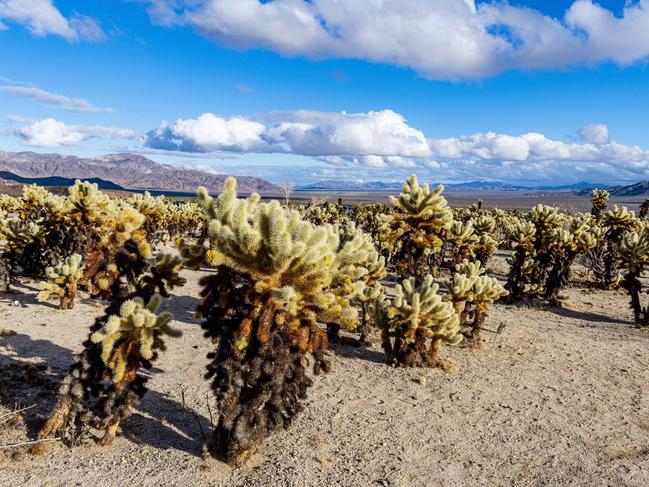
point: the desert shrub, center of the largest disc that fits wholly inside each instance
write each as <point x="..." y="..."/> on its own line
<point x="275" y="281"/>
<point x="415" y="324"/>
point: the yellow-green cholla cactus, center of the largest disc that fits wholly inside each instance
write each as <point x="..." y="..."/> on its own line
<point x="416" y="323"/>
<point x="135" y="334"/>
<point x="277" y="276"/>
<point x="599" y="202"/>
<point x="633" y="254"/>
<point x="63" y="281"/>
<point x="419" y="223"/>
<point x="486" y="290"/>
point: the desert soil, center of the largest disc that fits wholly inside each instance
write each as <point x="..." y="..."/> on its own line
<point x="558" y="397"/>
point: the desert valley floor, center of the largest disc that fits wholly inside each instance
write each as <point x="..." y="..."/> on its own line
<point x="557" y="397"/>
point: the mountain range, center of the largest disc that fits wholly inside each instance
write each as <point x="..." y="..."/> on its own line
<point x="126" y="170"/>
<point x="331" y="185"/>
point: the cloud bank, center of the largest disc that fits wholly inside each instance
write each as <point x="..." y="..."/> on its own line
<point x="384" y="139"/>
<point x="49" y="133"/>
<point x="42" y="18"/>
<point x="441" y="39"/>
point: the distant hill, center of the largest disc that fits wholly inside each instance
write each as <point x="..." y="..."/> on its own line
<point x="55" y="181"/>
<point x="332" y="185"/>
<point x="638" y="189"/>
<point x="123" y="170"/>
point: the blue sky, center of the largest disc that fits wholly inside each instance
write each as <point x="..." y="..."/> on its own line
<point x="530" y="91"/>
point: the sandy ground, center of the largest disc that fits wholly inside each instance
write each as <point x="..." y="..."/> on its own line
<point x="559" y="397"/>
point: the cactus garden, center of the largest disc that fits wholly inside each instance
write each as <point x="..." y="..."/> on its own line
<point x="231" y="340"/>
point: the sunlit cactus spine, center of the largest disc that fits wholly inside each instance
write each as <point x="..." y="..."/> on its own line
<point x="273" y="285"/>
<point x="104" y="384"/>
<point x="415" y="324"/>
<point x="419" y="222"/>
<point x="633" y="255"/>
<point x="63" y="281"/>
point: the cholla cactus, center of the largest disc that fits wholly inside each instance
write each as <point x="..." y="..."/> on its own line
<point x="485" y="291"/>
<point x="633" y="253"/>
<point x="416" y="323"/>
<point x="186" y="219"/>
<point x="154" y="210"/>
<point x="564" y="245"/>
<point x="326" y="212"/>
<point x="600" y="202"/>
<point x="63" y="281"/>
<point x="359" y="268"/>
<point x="277" y="277"/>
<point x="462" y="240"/>
<point x="420" y="220"/>
<point x="522" y="235"/>
<point x="103" y="384"/>
<point x="460" y="290"/>
<point x="484" y="227"/>
<point x="123" y="253"/>
<point x="615" y="222"/>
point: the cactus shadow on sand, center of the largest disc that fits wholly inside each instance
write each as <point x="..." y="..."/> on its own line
<point x="27" y="383"/>
<point x="164" y="423"/>
<point x="358" y="352"/>
<point x="588" y="316"/>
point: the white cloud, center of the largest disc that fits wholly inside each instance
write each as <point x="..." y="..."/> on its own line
<point x="533" y="146"/>
<point x="595" y="134"/>
<point x="383" y="139"/>
<point x="54" y="133"/>
<point x="209" y="133"/>
<point x="74" y="104"/>
<point x="42" y="18"/>
<point x="445" y="39"/>
<point x="381" y="133"/>
<point x="373" y="139"/>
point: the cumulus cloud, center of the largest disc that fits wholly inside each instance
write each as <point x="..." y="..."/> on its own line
<point x="445" y="39"/>
<point x="595" y="134"/>
<point x="373" y="139"/>
<point x="73" y="104"/>
<point x="42" y="18"/>
<point x="50" y="133"/>
<point x="534" y="146"/>
<point x="209" y="133"/>
<point x="383" y="139"/>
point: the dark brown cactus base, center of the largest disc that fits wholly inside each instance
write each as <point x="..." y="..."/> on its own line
<point x="258" y="368"/>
